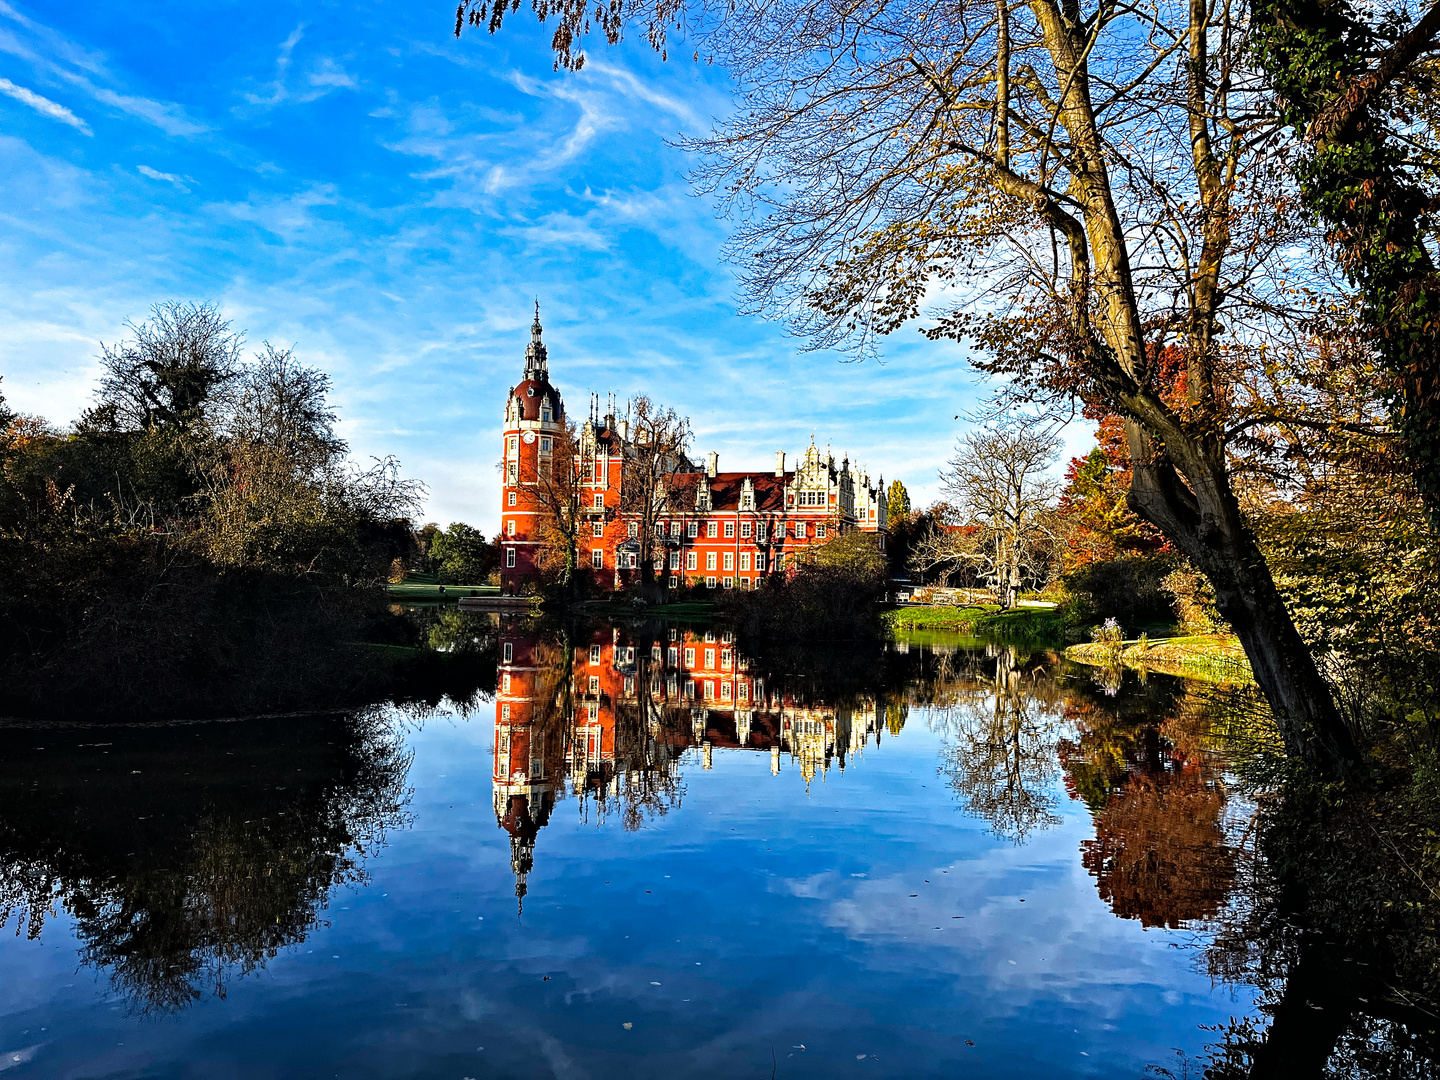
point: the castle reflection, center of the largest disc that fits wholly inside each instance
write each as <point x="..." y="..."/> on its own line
<point x="605" y="715"/>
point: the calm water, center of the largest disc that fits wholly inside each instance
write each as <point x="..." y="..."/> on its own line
<point x="979" y="866"/>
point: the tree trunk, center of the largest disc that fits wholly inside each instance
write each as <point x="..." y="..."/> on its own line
<point x="1204" y="520"/>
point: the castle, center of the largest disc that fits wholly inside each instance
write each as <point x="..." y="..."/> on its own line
<point x="718" y="530"/>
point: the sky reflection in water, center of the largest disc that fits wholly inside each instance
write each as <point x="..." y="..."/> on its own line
<point x="327" y="902"/>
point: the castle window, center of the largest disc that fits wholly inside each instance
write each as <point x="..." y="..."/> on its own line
<point x="729" y="530"/>
<point x="674" y="560"/>
<point x="799" y="530"/>
<point x="820" y="531"/>
<point x="760" y="534"/>
<point x="504" y="712"/>
<point x="729" y="583"/>
<point x="693" y="530"/>
<point x="509" y="651"/>
<point x="759" y="560"/>
<point x="725" y="659"/>
<point x="710" y="560"/>
<point x="709" y="582"/>
<point x="710" y="659"/>
<point x="629" y="685"/>
<point x="712" y="528"/>
<point x="689" y="658"/>
<point x="598" y="528"/>
<point x="513" y="444"/>
<point x="673" y="581"/>
<point x="597" y="559"/>
<point x="725" y="691"/>
<point x="599" y="502"/>
<point x="729" y="560"/>
<point x="511" y="498"/>
<point x="675" y="529"/>
<point x="745" y="529"/>
<point x="510" y="526"/>
<point x="744" y="691"/>
<point x="509" y="558"/>
<point x="690" y="560"/>
<point x="709" y="686"/>
<point x="780" y="531"/>
<point x="546" y="416"/>
<point x="545" y="444"/>
<point x="594" y="654"/>
<point x="632" y="529"/>
<point x="744" y="560"/>
<point x="511" y="471"/>
<point x="594" y="684"/>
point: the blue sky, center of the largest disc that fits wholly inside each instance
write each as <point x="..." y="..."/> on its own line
<point x="353" y="180"/>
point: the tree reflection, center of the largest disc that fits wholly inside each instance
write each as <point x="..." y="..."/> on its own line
<point x="186" y="855"/>
<point x="1160" y="853"/>
<point x="1001" y="714"/>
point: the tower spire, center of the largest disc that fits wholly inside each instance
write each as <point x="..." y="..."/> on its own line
<point x="535" y="354"/>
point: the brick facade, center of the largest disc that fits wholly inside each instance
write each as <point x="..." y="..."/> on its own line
<point x="736" y="528"/>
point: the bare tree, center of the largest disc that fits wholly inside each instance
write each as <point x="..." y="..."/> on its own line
<point x="1090" y="183"/>
<point x="282" y="404"/>
<point x="1000" y="482"/>
<point x="656" y="455"/>
<point x="181" y="365"/>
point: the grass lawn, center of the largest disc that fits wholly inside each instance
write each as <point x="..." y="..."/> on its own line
<point x="982" y="620"/>
<point x="1210" y="657"/>
<point x="412" y="589"/>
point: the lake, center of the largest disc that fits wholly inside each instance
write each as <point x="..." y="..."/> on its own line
<point x="645" y="855"/>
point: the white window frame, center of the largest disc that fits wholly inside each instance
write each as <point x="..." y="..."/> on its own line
<point x="509" y="558"/>
<point x="729" y="530"/>
<point x="597" y="558"/>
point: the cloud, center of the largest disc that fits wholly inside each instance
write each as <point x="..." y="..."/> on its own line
<point x="168" y="117"/>
<point x="44" y="106"/>
<point x="156" y="174"/>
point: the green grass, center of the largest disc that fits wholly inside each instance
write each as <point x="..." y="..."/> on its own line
<point x="1208" y="657"/>
<point x="982" y="620"/>
<point x="412" y="589"/>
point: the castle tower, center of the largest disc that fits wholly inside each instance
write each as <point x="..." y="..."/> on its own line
<point x="534" y="416"/>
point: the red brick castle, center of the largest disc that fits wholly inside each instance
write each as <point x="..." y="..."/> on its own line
<point x="741" y="526"/>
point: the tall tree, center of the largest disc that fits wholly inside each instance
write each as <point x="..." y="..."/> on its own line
<point x="556" y="492"/>
<point x="181" y="364"/>
<point x="1000" y="483"/>
<point x="1091" y="180"/>
<point x="897" y="504"/>
<point x="1357" y="84"/>
<point x="656" y="456"/>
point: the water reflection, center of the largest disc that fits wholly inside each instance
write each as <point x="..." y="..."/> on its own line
<point x="604" y="714"/>
<point x="187" y="855"/>
<point x="184" y="857"/>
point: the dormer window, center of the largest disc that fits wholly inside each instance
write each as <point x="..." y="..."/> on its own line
<point x="545" y="414"/>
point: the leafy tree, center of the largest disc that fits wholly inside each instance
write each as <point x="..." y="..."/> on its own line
<point x="897" y="504"/>
<point x="1356" y="84"/>
<point x="556" y="492"/>
<point x="463" y="556"/>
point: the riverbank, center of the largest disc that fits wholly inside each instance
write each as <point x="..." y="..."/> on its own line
<point x="987" y="620"/>
<point x="1214" y="658"/>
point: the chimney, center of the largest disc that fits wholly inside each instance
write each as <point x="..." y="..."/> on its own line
<point x="779" y="462"/>
<point x="624" y="430"/>
<point x="712" y="464"/>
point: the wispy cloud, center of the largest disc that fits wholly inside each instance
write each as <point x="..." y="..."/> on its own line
<point x="171" y="178"/>
<point x="44" y="106"/>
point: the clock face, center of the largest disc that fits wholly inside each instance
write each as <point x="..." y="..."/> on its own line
<point x="528" y="437"/>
